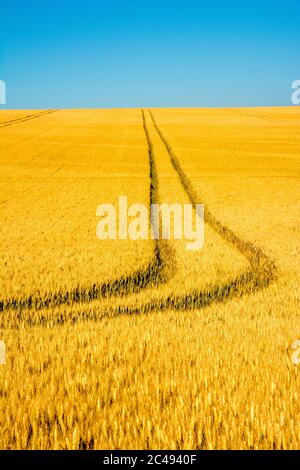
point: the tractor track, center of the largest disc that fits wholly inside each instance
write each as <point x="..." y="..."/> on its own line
<point x="261" y="272"/>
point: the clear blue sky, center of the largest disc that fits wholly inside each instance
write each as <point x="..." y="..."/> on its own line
<point x="69" y="54"/>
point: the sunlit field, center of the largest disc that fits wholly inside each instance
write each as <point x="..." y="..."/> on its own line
<point x="141" y="344"/>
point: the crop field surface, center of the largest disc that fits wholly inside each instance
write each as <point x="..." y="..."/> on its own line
<point x="142" y="344"/>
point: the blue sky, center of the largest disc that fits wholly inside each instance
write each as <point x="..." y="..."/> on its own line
<point x="71" y="54"/>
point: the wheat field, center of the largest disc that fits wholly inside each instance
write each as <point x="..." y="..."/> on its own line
<point x="123" y="344"/>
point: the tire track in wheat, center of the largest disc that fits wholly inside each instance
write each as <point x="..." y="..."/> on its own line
<point x="275" y="120"/>
<point x="27" y="118"/>
<point x="160" y="269"/>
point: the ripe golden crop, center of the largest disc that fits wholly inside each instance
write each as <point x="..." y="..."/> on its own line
<point x="142" y="344"/>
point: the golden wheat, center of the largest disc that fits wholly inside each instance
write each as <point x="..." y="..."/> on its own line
<point x="81" y="375"/>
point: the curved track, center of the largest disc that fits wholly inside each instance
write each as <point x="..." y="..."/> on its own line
<point x="261" y="271"/>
